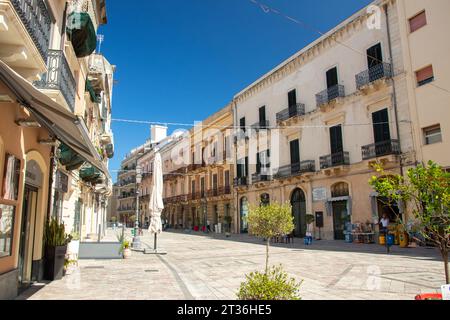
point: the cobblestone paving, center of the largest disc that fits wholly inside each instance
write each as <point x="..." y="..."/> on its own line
<point x="208" y="267"/>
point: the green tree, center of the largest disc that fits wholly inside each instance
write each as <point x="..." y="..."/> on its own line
<point x="427" y="190"/>
<point x="269" y="221"/>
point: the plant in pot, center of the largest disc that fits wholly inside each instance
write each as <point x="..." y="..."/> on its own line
<point x="56" y="241"/>
<point x="124" y="246"/>
<point x="227" y="221"/>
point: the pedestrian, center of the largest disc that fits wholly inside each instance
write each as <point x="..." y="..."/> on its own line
<point x="384" y="224"/>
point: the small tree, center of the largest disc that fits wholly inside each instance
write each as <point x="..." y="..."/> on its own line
<point x="270" y="221"/>
<point x="427" y="188"/>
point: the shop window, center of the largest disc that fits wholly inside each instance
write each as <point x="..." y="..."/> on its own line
<point x="6" y="229"/>
<point x="418" y="21"/>
<point x="432" y="134"/>
<point x="424" y="76"/>
<point x="11" y="178"/>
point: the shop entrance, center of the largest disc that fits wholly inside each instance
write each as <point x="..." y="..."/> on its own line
<point x="340" y="219"/>
<point x="298" y="202"/>
<point x="391" y="209"/>
<point x="244" y="214"/>
<point x="27" y="230"/>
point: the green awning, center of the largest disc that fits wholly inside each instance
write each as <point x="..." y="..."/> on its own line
<point x="69" y="158"/>
<point x="81" y="32"/>
<point x="89" y="88"/>
<point x="90" y="173"/>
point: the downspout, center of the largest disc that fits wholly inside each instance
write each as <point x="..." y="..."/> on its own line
<point x="394" y="92"/>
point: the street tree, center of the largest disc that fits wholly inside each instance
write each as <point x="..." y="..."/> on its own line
<point x="427" y="190"/>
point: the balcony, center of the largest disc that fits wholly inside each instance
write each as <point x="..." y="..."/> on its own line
<point x="296" y="169"/>
<point x="369" y="76"/>
<point x="126" y="209"/>
<point x="127" y="182"/>
<point x="81" y="30"/>
<point x="59" y="77"/>
<point x="334" y="160"/>
<point x="36" y="19"/>
<point x="127" y="195"/>
<point x="107" y="137"/>
<point x="290" y="113"/>
<point x="380" y="149"/>
<point x="240" y="182"/>
<point x="260" y="125"/>
<point x="330" y="95"/>
<point x="258" y="177"/>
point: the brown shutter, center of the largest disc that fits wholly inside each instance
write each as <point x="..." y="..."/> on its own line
<point x="417" y="21"/>
<point x="424" y="74"/>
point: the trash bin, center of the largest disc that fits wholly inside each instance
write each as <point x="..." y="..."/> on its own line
<point x="348" y="238"/>
<point x="382" y="239"/>
<point x="404" y="240"/>
<point x="390" y="239"/>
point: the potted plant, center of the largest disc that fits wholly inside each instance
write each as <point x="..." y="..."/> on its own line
<point x="227" y="221"/>
<point x="56" y="241"/>
<point x="124" y="246"/>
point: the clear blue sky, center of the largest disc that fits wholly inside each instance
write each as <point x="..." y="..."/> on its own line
<point x="181" y="60"/>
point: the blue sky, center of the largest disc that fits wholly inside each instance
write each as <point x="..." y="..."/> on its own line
<point x="182" y="60"/>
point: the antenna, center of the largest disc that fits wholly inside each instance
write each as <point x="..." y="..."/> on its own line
<point x="100" y="39"/>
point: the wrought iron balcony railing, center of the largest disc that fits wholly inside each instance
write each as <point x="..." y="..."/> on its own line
<point x="59" y="77"/>
<point x="380" y="71"/>
<point x="240" y="135"/>
<point x="330" y="94"/>
<point x="36" y="19"/>
<point x="241" y="181"/>
<point x="295" y="169"/>
<point x="380" y="149"/>
<point x="297" y="111"/>
<point x="260" y="125"/>
<point x="127" y="195"/>
<point x="259" y="177"/>
<point x="334" y="160"/>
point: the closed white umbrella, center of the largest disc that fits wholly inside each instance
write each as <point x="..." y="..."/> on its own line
<point x="156" y="204"/>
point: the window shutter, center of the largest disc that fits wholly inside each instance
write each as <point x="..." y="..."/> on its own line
<point x="424" y="74"/>
<point x="417" y="21"/>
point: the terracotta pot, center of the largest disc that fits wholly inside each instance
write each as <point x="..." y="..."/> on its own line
<point x="126" y="253"/>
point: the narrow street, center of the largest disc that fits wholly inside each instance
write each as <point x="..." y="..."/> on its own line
<point x="199" y="266"/>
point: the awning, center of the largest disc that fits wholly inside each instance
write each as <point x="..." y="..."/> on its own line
<point x="65" y="126"/>
<point x="81" y="33"/>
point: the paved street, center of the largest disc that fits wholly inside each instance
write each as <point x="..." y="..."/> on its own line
<point x="201" y="266"/>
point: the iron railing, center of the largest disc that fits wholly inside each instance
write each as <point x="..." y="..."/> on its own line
<point x="59" y="77"/>
<point x="380" y="149"/>
<point x="127" y="182"/>
<point x="297" y="111"/>
<point x="36" y="19"/>
<point x="241" y="181"/>
<point x="259" y="177"/>
<point x="127" y="195"/>
<point x="330" y="94"/>
<point x="295" y="169"/>
<point x="335" y="159"/>
<point x="380" y="71"/>
<point x="260" y="125"/>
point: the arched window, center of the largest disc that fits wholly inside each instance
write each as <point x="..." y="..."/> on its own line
<point x="264" y="199"/>
<point x="340" y="189"/>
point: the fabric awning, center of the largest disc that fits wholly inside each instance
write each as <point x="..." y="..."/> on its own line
<point x="81" y="33"/>
<point x="65" y="126"/>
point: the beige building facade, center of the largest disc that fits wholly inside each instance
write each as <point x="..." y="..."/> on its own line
<point x="317" y="122"/>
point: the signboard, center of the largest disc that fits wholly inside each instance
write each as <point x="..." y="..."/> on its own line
<point x="319" y="194"/>
<point x="62" y="181"/>
<point x="319" y="219"/>
<point x="445" y="292"/>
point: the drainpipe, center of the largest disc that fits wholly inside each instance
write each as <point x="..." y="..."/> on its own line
<point x="394" y="93"/>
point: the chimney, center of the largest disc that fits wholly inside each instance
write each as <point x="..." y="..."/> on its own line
<point x="158" y="133"/>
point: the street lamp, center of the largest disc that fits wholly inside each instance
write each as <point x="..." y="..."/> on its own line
<point x="136" y="238"/>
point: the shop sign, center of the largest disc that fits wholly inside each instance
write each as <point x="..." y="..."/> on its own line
<point x="319" y="194"/>
<point x="33" y="174"/>
<point x="445" y="292"/>
<point x="62" y="182"/>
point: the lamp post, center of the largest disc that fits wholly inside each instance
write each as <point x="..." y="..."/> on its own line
<point x="136" y="238"/>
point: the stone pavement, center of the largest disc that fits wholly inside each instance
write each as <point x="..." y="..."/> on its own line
<point x="200" y="266"/>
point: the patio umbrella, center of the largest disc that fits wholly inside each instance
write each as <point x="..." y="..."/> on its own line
<point x="156" y="204"/>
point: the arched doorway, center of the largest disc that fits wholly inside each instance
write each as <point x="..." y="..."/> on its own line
<point x="244" y="214"/>
<point x="341" y="214"/>
<point x="298" y="202"/>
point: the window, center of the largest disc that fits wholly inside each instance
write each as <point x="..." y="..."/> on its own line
<point x="417" y="22"/>
<point x="432" y="134"/>
<point x="6" y="229"/>
<point x="424" y="76"/>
